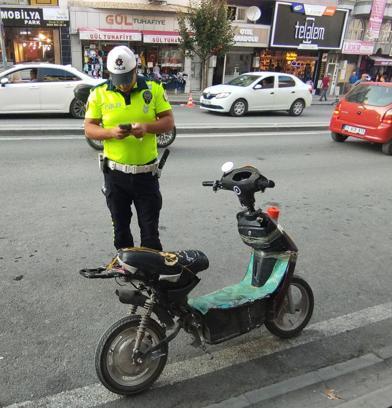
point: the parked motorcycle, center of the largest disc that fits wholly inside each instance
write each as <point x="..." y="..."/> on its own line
<point x="132" y="353"/>
<point x="82" y="92"/>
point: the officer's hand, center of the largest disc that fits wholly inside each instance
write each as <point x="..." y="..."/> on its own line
<point x="139" y="129"/>
<point x="118" y="133"/>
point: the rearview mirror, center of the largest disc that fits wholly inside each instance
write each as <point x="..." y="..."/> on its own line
<point x="4" y="81"/>
<point x="228" y="166"/>
<point x="258" y="86"/>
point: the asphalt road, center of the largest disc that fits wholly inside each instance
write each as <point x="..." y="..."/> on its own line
<point x="183" y="117"/>
<point x="336" y="205"/>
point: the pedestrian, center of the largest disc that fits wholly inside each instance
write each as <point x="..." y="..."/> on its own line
<point x="127" y="112"/>
<point x="324" y="87"/>
<point x="353" y="78"/>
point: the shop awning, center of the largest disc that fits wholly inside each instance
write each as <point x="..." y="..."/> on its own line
<point x="381" y="61"/>
<point x="109" y="34"/>
<point x="161" y="37"/>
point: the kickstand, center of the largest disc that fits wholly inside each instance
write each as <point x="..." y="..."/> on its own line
<point x="199" y="342"/>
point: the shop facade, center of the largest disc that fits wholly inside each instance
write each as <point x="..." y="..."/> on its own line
<point x="243" y="57"/>
<point x="36" y="34"/>
<point x="303" y="37"/>
<point x="153" y="36"/>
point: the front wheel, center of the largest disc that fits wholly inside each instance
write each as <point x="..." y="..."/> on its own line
<point x="239" y="108"/>
<point x="167" y="138"/>
<point x="113" y="358"/>
<point x="287" y="324"/>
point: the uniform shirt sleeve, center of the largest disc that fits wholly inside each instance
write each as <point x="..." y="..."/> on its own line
<point x="161" y="102"/>
<point x="93" y="109"/>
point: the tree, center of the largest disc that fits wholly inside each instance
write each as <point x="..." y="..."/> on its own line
<point x="205" y="31"/>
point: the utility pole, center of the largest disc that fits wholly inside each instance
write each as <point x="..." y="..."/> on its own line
<point x="2" y="43"/>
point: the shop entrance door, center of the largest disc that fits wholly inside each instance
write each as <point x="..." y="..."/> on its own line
<point x="332" y="71"/>
<point x="195" y="76"/>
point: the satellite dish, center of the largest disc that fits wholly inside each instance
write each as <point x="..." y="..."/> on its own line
<point x="228" y="166"/>
<point x="253" y="13"/>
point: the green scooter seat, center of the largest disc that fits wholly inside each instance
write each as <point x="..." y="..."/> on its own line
<point x="242" y="292"/>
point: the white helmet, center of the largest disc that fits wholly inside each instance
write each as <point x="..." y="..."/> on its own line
<point x="121" y="63"/>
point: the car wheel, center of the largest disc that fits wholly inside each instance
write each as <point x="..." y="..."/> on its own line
<point x="297" y="107"/>
<point x="77" y="109"/>
<point x="239" y="108"/>
<point x="337" y="137"/>
<point x="387" y="148"/>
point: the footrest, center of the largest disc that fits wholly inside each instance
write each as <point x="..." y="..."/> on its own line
<point x="98" y="273"/>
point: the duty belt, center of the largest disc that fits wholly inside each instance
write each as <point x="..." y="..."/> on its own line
<point x="133" y="169"/>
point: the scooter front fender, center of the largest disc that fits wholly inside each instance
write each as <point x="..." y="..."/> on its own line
<point x="134" y="297"/>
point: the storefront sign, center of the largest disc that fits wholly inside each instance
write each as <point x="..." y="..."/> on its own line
<point x="161" y="37"/>
<point x="375" y="20"/>
<point x="357" y="47"/>
<point x="109" y="35"/>
<point x="34" y="17"/>
<point x="293" y="29"/>
<point x="249" y="35"/>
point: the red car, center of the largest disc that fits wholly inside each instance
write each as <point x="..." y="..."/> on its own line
<point x="365" y="112"/>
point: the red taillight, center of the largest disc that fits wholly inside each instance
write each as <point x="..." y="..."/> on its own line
<point x="273" y="212"/>
<point x="337" y="109"/>
<point x="387" y="118"/>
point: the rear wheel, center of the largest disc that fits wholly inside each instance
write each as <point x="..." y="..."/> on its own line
<point x="77" y="109"/>
<point x="239" y="107"/>
<point x="167" y="138"/>
<point x="95" y="144"/>
<point x="287" y="324"/>
<point x="297" y="107"/>
<point x="387" y="148"/>
<point x="337" y="137"/>
<point x="113" y="358"/>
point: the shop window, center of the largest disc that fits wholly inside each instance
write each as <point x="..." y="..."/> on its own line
<point x="385" y="33"/>
<point x="355" y="29"/>
<point x="286" y="81"/>
<point x="56" y="75"/>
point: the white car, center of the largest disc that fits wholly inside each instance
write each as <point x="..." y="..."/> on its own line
<point x="42" y="88"/>
<point x="258" y="91"/>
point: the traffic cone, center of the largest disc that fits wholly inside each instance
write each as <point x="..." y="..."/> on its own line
<point x="190" y="103"/>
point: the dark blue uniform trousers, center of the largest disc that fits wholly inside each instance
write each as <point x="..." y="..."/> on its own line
<point x="142" y="190"/>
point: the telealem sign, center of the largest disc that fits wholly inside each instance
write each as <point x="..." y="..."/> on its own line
<point x="294" y="28"/>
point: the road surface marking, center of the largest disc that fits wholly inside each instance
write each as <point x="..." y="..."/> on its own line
<point x="188" y="136"/>
<point x="93" y="395"/>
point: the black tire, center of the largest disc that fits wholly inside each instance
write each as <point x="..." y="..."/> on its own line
<point x="297" y="107"/>
<point x="386" y="148"/>
<point x="337" y="137"/>
<point x="167" y="138"/>
<point x="77" y="109"/>
<point x="95" y="144"/>
<point x="239" y="108"/>
<point x="276" y="326"/>
<point x="116" y="346"/>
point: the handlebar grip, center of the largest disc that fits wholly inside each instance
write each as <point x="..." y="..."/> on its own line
<point x="263" y="184"/>
<point x="207" y="183"/>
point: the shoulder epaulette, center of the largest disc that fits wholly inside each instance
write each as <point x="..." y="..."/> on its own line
<point x="101" y="84"/>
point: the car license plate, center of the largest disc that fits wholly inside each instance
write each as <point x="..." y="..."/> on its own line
<point x="206" y="102"/>
<point x="353" y="129"/>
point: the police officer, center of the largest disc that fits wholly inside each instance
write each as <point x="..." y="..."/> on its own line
<point x="127" y="112"/>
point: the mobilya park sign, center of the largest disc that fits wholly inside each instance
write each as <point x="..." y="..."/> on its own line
<point x="300" y="26"/>
<point x="34" y="17"/>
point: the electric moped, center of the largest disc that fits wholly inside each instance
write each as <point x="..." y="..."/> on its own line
<point x="132" y="353"/>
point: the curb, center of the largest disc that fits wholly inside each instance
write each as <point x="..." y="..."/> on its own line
<point x="180" y="130"/>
